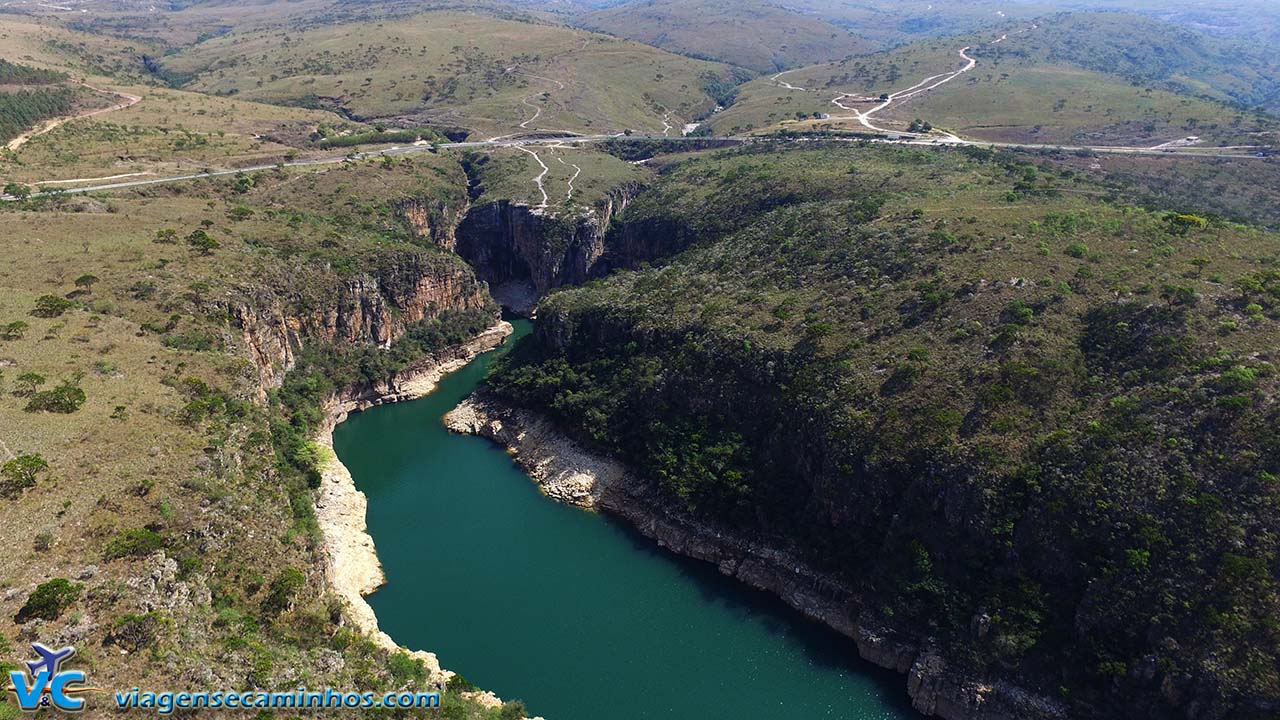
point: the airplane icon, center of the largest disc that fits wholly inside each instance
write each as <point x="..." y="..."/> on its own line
<point x="50" y="660"/>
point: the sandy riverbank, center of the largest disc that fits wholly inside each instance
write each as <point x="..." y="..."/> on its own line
<point x="353" y="568"/>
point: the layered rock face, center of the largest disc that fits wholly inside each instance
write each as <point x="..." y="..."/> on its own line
<point x="431" y="219"/>
<point x="569" y="472"/>
<point x="508" y="242"/>
<point x="374" y="307"/>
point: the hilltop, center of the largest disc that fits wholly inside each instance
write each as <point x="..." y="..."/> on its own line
<point x="1030" y="83"/>
<point x="483" y="73"/>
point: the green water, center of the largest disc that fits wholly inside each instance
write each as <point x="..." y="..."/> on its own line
<point x="567" y="610"/>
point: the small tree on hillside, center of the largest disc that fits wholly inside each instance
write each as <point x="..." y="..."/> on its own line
<point x="17" y="190"/>
<point x="49" y="600"/>
<point x="51" y="306"/>
<point x="86" y="281"/>
<point x="27" y="384"/>
<point x="14" y="330"/>
<point x="20" y="473"/>
<point x="63" y="399"/>
<point x="203" y="242"/>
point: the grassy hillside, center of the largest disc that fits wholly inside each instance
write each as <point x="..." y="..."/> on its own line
<point x="1020" y="91"/>
<point x="142" y="470"/>
<point x="508" y="174"/>
<point x="761" y="36"/>
<point x="1150" y="52"/>
<point x="1037" y="427"/>
<point x="168" y="132"/>
<point x="457" y="69"/>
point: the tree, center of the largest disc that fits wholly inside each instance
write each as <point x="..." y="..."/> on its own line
<point x="1178" y="295"/>
<point x="166" y="236"/>
<point x="17" y="190"/>
<point x="64" y="399"/>
<point x="20" y="473"/>
<point x="134" y="542"/>
<point x="51" y="306"/>
<point x="49" y="600"/>
<point x="14" y="330"/>
<point x="203" y="242"/>
<point x="27" y="383"/>
<point x="86" y="281"/>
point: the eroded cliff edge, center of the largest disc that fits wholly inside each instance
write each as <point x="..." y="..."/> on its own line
<point x="373" y="307"/>
<point x="568" y="472"/>
<point x="509" y="242"/>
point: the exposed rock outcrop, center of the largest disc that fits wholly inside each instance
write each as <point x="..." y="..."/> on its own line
<point x="431" y="219"/>
<point x="370" y="308"/>
<point x="568" y="472"/>
<point x="507" y="242"/>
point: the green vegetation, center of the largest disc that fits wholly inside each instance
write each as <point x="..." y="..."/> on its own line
<point x="134" y="542"/>
<point x="49" y="600"/>
<point x="969" y="410"/>
<point x="65" y="398"/>
<point x="283" y="589"/>
<point x="382" y="135"/>
<point x="24" y="108"/>
<point x="15" y="74"/>
<point x="20" y="473"/>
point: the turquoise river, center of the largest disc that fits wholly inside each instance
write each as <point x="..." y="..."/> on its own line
<point x="568" y="610"/>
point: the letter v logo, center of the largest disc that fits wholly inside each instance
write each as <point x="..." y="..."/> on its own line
<point x="29" y="695"/>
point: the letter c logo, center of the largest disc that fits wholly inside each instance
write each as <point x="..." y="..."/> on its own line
<point x="57" y="690"/>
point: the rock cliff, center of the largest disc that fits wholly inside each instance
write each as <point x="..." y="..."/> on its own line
<point x="566" y="471"/>
<point x="508" y="242"/>
<point x="373" y="307"/>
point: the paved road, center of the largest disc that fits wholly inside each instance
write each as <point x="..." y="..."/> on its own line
<point x="1231" y="153"/>
<point x="406" y="150"/>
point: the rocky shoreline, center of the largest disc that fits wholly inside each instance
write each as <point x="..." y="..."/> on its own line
<point x="353" y="568"/>
<point x="566" y="471"/>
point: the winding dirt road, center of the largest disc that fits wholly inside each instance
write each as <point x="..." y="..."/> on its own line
<point x="128" y="101"/>
<point x="930" y="83"/>
<point x="541" y="176"/>
<point x="577" y="172"/>
<point x="924" y="86"/>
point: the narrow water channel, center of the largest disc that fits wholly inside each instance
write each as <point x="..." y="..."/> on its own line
<point x="568" y="610"/>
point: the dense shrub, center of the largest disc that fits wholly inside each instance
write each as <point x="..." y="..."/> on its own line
<point x="49" y="600"/>
<point x="64" y="399"/>
<point x="133" y="542"/>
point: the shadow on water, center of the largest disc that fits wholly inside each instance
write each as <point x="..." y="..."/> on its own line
<point x="822" y="646"/>
<point x="575" y="612"/>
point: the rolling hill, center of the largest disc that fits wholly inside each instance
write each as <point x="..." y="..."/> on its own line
<point x="1032" y="83"/>
<point x="758" y="35"/>
<point x="472" y="70"/>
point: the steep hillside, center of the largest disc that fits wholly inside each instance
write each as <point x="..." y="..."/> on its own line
<point x="165" y="360"/>
<point x="1034" y="432"/>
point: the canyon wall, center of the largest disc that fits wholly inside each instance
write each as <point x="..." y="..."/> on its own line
<point x="373" y="307"/>
<point x="508" y="242"/>
<point x="567" y="471"/>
